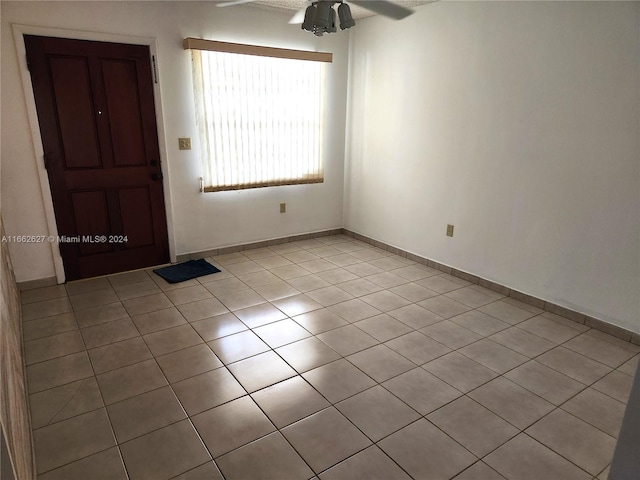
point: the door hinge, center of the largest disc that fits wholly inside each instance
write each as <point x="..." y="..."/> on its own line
<point x="46" y="163"/>
<point x="28" y="64"/>
<point x="155" y="69"/>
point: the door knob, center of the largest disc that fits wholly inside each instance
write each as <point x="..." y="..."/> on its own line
<point x="156" y="177"/>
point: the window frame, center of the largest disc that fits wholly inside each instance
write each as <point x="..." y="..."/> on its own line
<point x="245" y="49"/>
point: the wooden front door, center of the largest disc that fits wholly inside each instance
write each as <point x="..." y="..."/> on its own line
<point x="97" y="121"/>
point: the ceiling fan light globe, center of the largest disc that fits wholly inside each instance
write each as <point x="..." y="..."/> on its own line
<point x="346" y="20"/>
<point x="322" y="17"/>
<point x="332" y="18"/>
<point x="309" y="14"/>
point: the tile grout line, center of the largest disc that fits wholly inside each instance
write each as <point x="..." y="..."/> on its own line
<point x="331" y="404"/>
<point x="104" y="404"/>
<point x="273" y="349"/>
<point x="605" y="327"/>
<point x="168" y="384"/>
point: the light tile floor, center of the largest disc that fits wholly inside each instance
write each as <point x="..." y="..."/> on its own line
<point x="322" y="358"/>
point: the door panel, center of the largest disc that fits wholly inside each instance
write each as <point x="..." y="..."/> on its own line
<point x="92" y="217"/>
<point x="136" y="215"/>
<point x="123" y="103"/>
<point x="97" y="120"/>
<point x="72" y="96"/>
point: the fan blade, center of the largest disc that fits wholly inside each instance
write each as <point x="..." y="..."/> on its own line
<point x="233" y="2"/>
<point x="388" y="9"/>
<point x="298" y="17"/>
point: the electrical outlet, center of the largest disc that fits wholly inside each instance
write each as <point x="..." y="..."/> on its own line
<point x="449" y="230"/>
<point x="283" y="208"/>
<point x="184" y="143"/>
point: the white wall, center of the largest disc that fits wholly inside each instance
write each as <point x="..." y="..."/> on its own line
<point x="200" y="221"/>
<point x="519" y="123"/>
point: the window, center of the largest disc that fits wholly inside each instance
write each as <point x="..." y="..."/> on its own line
<point x="260" y="117"/>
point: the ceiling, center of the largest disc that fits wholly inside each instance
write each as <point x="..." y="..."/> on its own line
<point x="357" y="12"/>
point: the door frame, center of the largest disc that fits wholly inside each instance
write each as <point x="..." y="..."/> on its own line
<point x="18" y="34"/>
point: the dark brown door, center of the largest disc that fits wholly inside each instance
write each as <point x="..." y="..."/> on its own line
<point x="97" y="120"/>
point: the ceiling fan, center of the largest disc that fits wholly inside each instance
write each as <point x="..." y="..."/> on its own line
<point x="320" y="17"/>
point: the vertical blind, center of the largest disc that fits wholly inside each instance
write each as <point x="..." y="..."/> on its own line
<point x="260" y="120"/>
